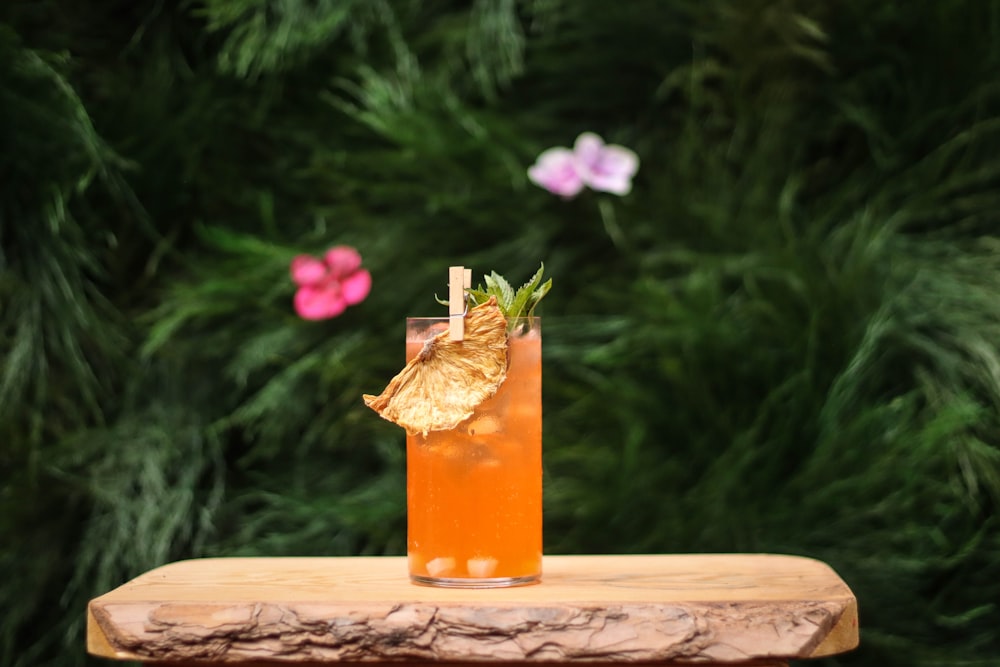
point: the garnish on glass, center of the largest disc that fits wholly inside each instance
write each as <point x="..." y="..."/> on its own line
<point x="448" y="379"/>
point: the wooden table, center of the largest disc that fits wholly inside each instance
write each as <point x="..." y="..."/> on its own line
<point x="719" y="609"/>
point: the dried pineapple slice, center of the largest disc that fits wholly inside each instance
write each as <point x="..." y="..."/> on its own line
<point x="442" y="386"/>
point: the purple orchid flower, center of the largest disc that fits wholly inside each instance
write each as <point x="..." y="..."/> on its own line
<point x="329" y="285"/>
<point x="605" y="167"/>
<point x="556" y="171"/>
<point x="591" y="163"/>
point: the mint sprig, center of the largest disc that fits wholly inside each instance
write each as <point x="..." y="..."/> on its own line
<point x="513" y="303"/>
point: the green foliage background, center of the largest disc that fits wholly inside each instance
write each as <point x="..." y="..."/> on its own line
<point x="785" y="339"/>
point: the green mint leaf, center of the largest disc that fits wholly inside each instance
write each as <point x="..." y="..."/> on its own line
<point x="498" y="285"/>
<point x="521" y="302"/>
<point x="513" y="303"/>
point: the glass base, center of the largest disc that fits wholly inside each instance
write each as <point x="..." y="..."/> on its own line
<point x="473" y="582"/>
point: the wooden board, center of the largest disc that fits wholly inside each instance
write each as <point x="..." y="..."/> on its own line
<point x="717" y="608"/>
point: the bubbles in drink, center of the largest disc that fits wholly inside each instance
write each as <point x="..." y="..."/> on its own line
<point x="481" y="454"/>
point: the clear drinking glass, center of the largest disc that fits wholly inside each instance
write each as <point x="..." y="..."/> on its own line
<point x="474" y="493"/>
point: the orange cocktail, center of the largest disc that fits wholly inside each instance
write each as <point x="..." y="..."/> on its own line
<point x="474" y="493"/>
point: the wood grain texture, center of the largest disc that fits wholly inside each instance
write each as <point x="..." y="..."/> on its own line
<point x="287" y="663"/>
<point x="718" y="608"/>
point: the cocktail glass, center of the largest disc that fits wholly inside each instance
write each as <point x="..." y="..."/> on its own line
<point x="474" y="492"/>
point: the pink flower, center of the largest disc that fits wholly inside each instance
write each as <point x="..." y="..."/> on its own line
<point x="591" y="163"/>
<point x="605" y="167"/>
<point x="330" y="285"/>
<point x="556" y="171"/>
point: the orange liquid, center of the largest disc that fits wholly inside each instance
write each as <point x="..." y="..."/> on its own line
<point x="474" y="493"/>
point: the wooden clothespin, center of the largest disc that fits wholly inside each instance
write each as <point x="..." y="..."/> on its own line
<point x="459" y="280"/>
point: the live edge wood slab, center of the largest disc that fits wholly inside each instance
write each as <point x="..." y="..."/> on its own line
<point x="713" y="609"/>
